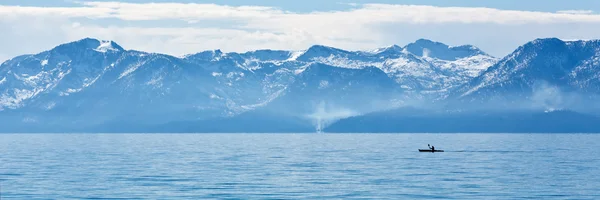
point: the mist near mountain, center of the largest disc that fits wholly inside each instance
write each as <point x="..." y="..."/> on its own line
<point x="92" y="85"/>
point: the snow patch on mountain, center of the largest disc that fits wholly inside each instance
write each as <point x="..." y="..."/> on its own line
<point x="384" y="49"/>
<point x="214" y="96"/>
<point x="323" y="84"/>
<point x="70" y="91"/>
<point x="295" y="54"/>
<point x="131" y="68"/>
<point x="344" y="62"/>
<point x="402" y="67"/>
<point x="19" y="95"/>
<point x="106" y="46"/>
<point x="156" y="81"/>
<point x="268" y="100"/>
<point x="50" y="105"/>
<point x="86" y="82"/>
<point x="471" y="66"/>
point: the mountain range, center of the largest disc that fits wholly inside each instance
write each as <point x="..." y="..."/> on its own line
<point x="93" y="85"/>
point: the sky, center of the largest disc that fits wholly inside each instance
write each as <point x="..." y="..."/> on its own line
<point x="186" y="26"/>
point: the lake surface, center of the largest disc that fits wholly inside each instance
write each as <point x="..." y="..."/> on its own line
<point x="299" y="166"/>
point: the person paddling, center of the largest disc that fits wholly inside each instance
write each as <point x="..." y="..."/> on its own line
<point x="431" y="149"/>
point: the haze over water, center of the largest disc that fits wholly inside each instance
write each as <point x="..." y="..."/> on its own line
<point x="299" y="166"/>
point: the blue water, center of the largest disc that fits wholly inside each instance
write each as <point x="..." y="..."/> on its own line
<point x="299" y="166"/>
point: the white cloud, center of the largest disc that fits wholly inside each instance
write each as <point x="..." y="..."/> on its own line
<point x="146" y="11"/>
<point x="576" y="12"/>
<point x="241" y="28"/>
<point x="181" y="41"/>
<point x="361" y="13"/>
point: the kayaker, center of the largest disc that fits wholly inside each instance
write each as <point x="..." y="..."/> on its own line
<point x="431" y="147"/>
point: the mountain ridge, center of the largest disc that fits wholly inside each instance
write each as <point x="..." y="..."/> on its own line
<point x="92" y="83"/>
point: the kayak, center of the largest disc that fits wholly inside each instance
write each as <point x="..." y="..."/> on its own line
<point x="429" y="150"/>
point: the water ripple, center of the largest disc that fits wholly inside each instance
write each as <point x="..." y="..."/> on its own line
<point x="299" y="166"/>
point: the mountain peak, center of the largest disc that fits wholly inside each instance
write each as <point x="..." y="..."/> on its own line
<point x="547" y="40"/>
<point x="546" y="45"/>
<point x="392" y="48"/>
<point x="320" y="51"/>
<point x="319" y="47"/>
<point x="209" y="55"/>
<point x="106" y="46"/>
<point x="541" y="64"/>
<point x="92" y="44"/>
<point x="427" y="42"/>
<point x="432" y="49"/>
<point x="555" y="43"/>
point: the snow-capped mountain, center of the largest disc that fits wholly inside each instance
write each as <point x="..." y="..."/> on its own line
<point x="545" y="86"/>
<point x="553" y="73"/>
<point x="100" y="81"/>
<point x="361" y="90"/>
<point x="90" y="81"/>
<point x="415" y="67"/>
<point x="431" y="49"/>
